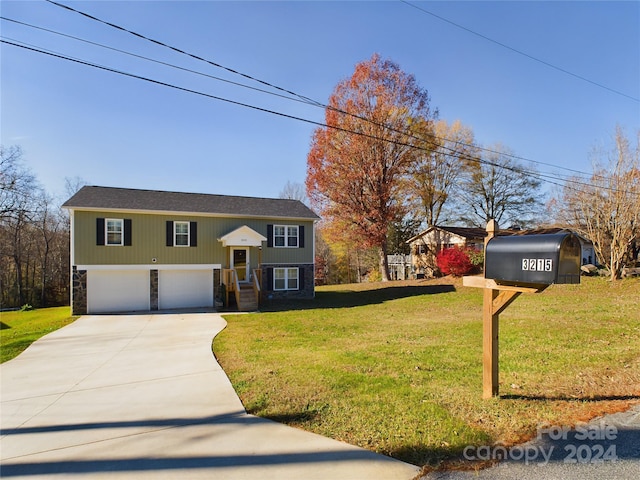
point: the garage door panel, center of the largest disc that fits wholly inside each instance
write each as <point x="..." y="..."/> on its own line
<point x="185" y="288"/>
<point x="117" y="290"/>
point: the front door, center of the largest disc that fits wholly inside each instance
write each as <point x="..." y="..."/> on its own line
<point x="240" y="261"/>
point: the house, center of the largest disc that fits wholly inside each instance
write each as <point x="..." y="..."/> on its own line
<point x="586" y="245"/>
<point x="140" y="250"/>
<point x="426" y="245"/>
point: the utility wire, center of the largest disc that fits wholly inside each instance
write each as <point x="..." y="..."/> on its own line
<point x="520" y="52"/>
<point x="303" y="98"/>
<point x="175" y="49"/>
<point x="142" y="57"/>
<point x="542" y="177"/>
<point x="14" y="43"/>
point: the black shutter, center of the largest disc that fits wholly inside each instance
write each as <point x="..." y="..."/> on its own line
<point x="269" y="279"/>
<point x="301" y="278"/>
<point x="169" y="233"/>
<point x="193" y="234"/>
<point x="301" y="236"/>
<point x="99" y="231"/>
<point x="127" y="232"/>
<point x="269" y="235"/>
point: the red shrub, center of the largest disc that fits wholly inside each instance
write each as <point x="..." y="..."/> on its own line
<point x="454" y="261"/>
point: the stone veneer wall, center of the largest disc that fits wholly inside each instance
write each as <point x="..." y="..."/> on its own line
<point x="217" y="285"/>
<point x="79" y="292"/>
<point x="153" y="289"/>
<point x="307" y="272"/>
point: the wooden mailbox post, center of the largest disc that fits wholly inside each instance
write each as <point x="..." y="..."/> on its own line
<point x="551" y="260"/>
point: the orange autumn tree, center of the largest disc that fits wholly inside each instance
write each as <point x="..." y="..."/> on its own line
<point x="357" y="163"/>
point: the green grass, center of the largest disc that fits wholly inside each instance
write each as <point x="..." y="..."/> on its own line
<point x="20" y="329"/>
<point x="397" y="368"/>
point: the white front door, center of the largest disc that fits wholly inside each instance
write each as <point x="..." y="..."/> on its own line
<point x="240" y="261"/>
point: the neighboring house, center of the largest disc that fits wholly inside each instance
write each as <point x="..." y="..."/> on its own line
<point x="588" y="251"/>
<point x="426" y="245"/>
<point x="144" y="250"/>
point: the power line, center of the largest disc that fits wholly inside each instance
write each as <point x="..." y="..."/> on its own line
<point x="302" y="97"/>
<point x="146" y="79"/>
<point x="520" y="52"/>
<point x="142" y="57"/>
<point x="456" y="154"/>
<point x="178" y="50"/>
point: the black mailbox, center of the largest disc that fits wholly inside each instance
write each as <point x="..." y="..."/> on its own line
<point x="541" y="259"/>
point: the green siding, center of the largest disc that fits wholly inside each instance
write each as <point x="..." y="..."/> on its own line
<point x="149" y="241"/>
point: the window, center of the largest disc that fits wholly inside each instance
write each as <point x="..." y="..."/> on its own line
<point x="285" y="278"/>
<point x="285" y="236"/>
<point x="114" y="230"/>
<point x="181" y="232"/>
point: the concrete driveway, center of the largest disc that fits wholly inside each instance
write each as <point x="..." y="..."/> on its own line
<point x="124" y="396"/>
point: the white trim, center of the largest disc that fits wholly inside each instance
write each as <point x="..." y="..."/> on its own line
<point x="106" y="232"/>
<point x="189" y="214"/>
<point x="175" y="232"/>
<point x="286" y="236"/>
<point x="243" y="236"/>
<point x="155" y="266"/>
<point x="72" y="254"/>
<point x="286" y="279"/>
<point x="247" y="267"/>
<point x="285" y="264"/>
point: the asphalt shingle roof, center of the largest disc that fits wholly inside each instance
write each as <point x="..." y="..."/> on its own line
<point x="110" y="198"/>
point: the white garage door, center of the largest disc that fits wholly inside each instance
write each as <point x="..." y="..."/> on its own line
<point x="185" y="288"/>
<point x="117" y="290"/>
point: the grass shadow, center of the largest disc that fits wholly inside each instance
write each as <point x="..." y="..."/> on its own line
<point x="564" y="398"/>
<point x="293" y="418"/>
<point x="429" y="458"/>
<point x="4" y="326"/>
<point x="355" y="298"/>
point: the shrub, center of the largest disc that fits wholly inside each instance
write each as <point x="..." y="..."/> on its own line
<point x="454" y="261"/>
<point x="476" y="257"/>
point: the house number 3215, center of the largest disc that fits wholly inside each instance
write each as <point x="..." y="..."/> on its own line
<point x="537" y="264"/>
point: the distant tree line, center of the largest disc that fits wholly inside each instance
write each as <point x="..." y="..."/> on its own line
<point x="605" y="208"/>
<point x="385" y="166"/>
<point x="34" y="239"/>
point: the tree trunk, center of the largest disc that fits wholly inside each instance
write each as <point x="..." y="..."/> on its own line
<point x="615" y="266"/>
<point x="20" y="293"/>
<point x="384" y="263"/>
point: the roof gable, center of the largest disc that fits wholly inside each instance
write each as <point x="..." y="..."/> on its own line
<point x="110" y="198"/>
<point x="464" y="232"/>
<point x="241" y="237"/>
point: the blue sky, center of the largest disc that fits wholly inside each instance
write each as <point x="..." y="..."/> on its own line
<point x="76" y="121"/>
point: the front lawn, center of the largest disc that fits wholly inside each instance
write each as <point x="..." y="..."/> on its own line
<point x="20" y="329"/>
<point x="397" y="367"/>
